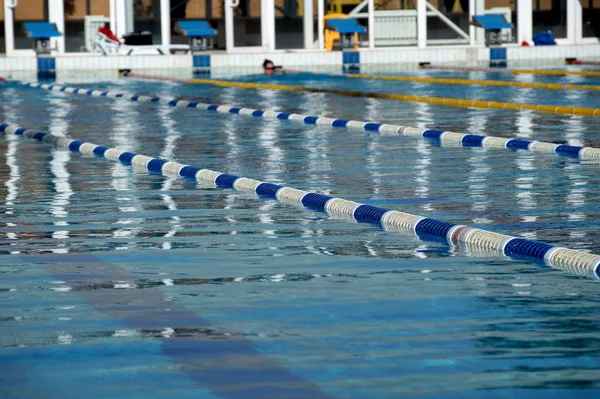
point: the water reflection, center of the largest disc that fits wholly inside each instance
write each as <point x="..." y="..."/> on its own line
<point x="272" y="169"/>
<point x="9" y="109"/>
<point x="423" y="162"/>
<point x="165" y="114"/>
<point x="316" y="162"/>
<point x="60" y="107"/>
<point x="123" y="135"/>
<point x="234" y="153"/>
<point x="525" y="193"/>
<point x="373" y="155"/>
<point x="423" y="175"/>
<point x="317" y="144"/>
<point x="479" y="170"/>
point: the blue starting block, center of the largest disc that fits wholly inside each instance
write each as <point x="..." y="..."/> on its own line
<point x="200" y="34"/>
<point x="349" y="30"/>
<point x="493" y="25"/>
<point x="41" y="32"/>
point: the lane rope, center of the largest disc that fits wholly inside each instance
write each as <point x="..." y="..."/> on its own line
<point x="444" y="138"/>
<point x="426" y="65"/>
<point x="578" y="262"/>
<point x="455" y="102"/>
<point x="532" y="85"/>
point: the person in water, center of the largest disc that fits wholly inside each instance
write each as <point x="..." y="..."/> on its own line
<point x="269" y="67"/>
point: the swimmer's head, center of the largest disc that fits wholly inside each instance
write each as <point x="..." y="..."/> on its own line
<point x="268" y="67"/>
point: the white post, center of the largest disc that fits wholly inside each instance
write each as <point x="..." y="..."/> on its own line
<point x="9" y="28"/>
<point x="267" y="24"/>
<point x="112" y="15"/>
<point x="320" y="24"/>
<point x="309" y="37"/>
<point x="421" y="23"/>
<point x="479" y="9"/>
<point x="56" y="14"/>
<point x="524" y="21"/>
<point x="129" y="13"/>
<point x="271" y="24"/>
<point x="578" y="19"/>
<point x="371" y="20"/>
<point x="264" y="28"/>
<point x="572" y="36"/>
<point x="120" y="18"/>
<point x="471" y="26"/>
<point x="165" y="23"/>
<point x="229" y="26"/>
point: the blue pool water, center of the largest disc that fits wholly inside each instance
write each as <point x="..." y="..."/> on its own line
<point x="119" y="283"/>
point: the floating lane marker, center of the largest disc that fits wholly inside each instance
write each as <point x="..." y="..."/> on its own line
<point x="455" y="102"/>
<point x="463" y="103"/>
<point x="445" y="138"/>
<point x="425" y="228"/>
<point x="450" y="81"/>
<point x="426" y="65"/>
<point x="531" y="85"/>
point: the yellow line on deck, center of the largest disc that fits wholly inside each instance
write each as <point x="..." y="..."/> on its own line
<point x="551" y="86"/>
<point x="403" y="97"/>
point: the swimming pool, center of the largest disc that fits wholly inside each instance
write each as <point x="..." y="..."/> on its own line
<point x="128" y="284"/>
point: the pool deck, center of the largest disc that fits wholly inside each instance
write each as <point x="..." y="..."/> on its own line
<point x="306" y="58"/>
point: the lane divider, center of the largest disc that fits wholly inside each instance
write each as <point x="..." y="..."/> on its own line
<point x="532" y="85"/>
<point x="426" y="65"/>
<point x="463" y="103"/>
<point x="455" y="102"/>
<point x="390" y="220"/>
<point x="445" y="138"/>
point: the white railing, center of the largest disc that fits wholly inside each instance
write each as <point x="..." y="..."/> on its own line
<point x="399" y="27"/>
<point x="436" y="13"/>
<point x="394" y="27"/>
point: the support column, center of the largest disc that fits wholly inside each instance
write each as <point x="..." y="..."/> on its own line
<point x="574" y="21"/>
<point x="9" y="28"/>
<point x="129" y="16"/>
<point x="471" y="26"/>
<point x="56" y="14"/>
<point x="479" y="9"/>
<point x="271" y="25"/>
<point x="165" y="22"/>
<point x="320" y="24"/>
<point x="524" y="21"/>
<point x="421" y="23"/>
<point x="112" y="16"/>
<point x="267" y="24"/>
<point x="120" y="18"/>
<point x="228" y="26"/>
<point x="371" y="19"/>
<point x="309" y="37"/>
<point x="578" y="11"/>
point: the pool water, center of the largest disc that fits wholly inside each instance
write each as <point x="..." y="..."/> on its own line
<point x="119" y="283"/>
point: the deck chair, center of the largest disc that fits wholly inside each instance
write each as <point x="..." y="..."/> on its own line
<point x="493" y="25"/>
<point x="41" y="32"/>
<point x="343" y="29"/>
<point x="199" y="33"/>
<point x="106" y="46"/>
